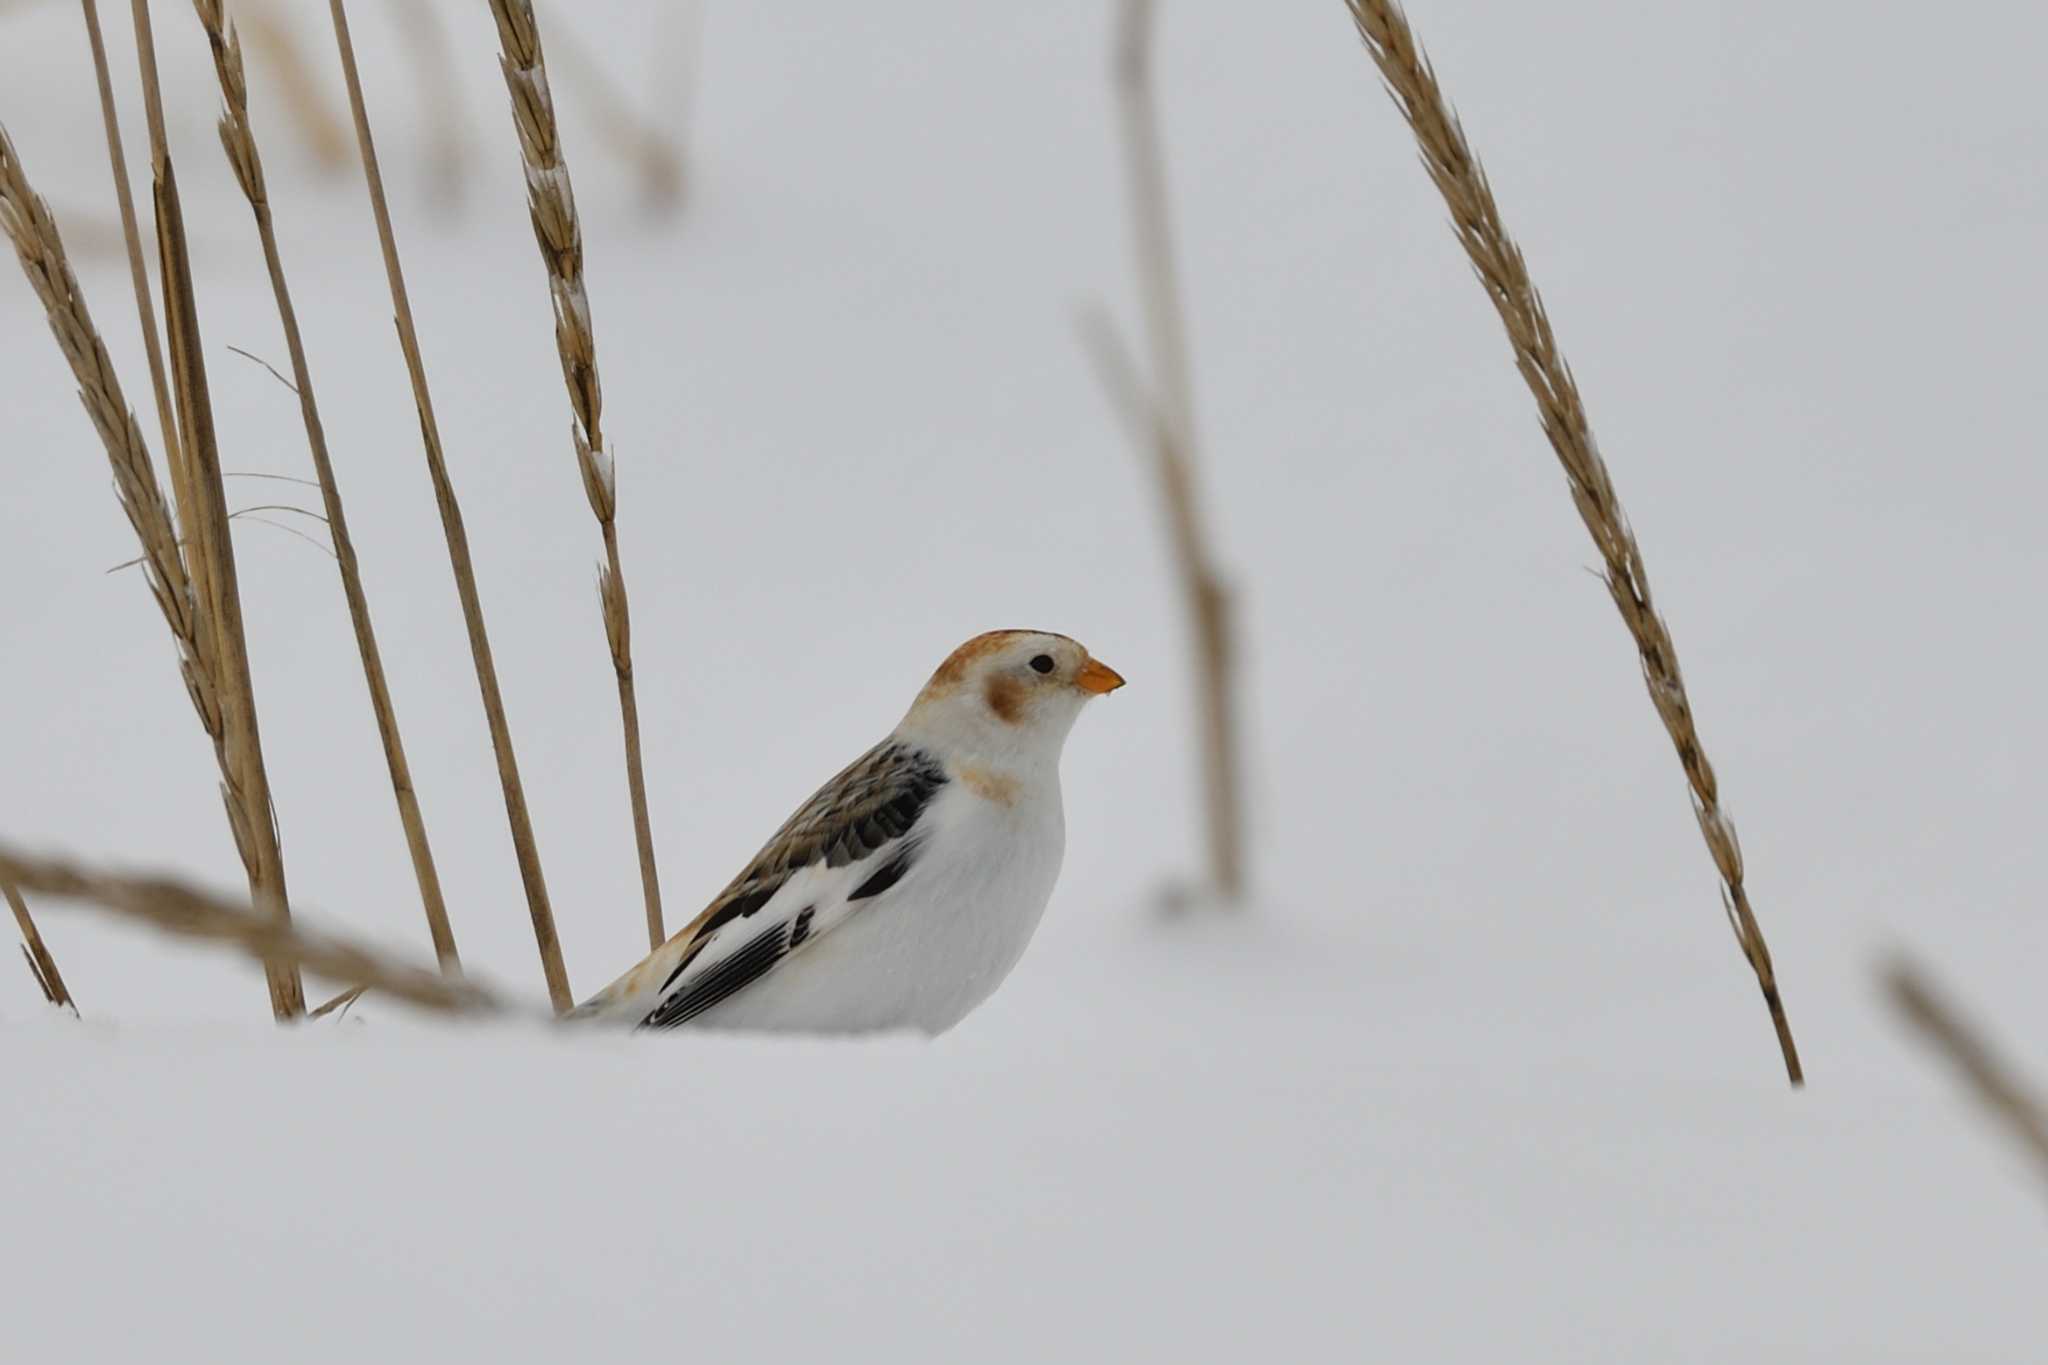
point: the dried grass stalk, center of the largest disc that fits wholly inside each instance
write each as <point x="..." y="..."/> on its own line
<point x="524" y="847"/>
<point x="189" y="912"/>
<point x="1505" y="276"/>
<point x="184" y="583"/>
<point x="1165" y="427"/>
<point x="1997" y="1086"/>
<point x="29" y="225"/>
<point x="552" y="203"/>
<point x="239" y="141"/>
<point x="41" y="965"/>
<point x="338" y="1002"/>
<point x="246" y="790"/>
<point x="131" y="234"/>
<point x="182" y="490"/>
<point x="26" y="220"/>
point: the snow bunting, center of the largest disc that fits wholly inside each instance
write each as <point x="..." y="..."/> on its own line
<point x="904" y="891"/>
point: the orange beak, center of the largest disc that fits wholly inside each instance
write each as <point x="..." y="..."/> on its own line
<point x="1097" y="677"/>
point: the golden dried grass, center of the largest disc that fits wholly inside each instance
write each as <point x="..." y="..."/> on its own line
<point x="525" y="849"/>
<point x="204" y="511"/>
<point x="29" y="226"/>
<point x="238" y="140"/>
<point x="186" y="911"/>
<point x="41" y="965"/>
<point x="551" y="201"/>
<point x="1504" y="275"/>
<point x="131" y="234"/>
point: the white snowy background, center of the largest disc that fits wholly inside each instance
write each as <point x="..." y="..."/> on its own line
<point x="1479" y="1076"/>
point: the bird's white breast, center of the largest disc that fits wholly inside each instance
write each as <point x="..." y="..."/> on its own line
<point x="944" y="937"/>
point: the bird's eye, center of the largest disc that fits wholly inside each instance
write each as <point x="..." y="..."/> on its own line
<point x="1042" y="663"/>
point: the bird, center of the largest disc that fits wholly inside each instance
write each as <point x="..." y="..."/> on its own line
<point x="901" y="894"/>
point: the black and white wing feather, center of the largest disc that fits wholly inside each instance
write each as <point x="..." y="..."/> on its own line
<point x="839" y="854"/>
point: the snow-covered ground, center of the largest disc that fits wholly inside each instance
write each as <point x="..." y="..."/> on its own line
<point x="1481" y="1075"/>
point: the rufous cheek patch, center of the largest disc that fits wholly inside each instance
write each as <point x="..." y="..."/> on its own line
<point x="1006" y="699"/>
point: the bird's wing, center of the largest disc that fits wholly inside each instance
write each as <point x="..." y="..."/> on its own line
<point x="842" y="849"/>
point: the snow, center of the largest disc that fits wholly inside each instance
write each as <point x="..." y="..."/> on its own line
<point x="1481" y="1076"/>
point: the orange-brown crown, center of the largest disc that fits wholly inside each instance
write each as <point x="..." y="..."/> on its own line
<point x="960" y="662"/>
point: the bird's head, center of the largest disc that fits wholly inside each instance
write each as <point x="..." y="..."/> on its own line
<point x="1009" y="694"/>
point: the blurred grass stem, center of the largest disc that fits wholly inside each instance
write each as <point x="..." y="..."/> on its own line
<point x="1168" y="434"/>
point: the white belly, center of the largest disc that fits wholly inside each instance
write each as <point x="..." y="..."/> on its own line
<point x="936" y="944"/>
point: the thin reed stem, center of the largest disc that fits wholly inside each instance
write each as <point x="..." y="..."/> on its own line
<point x="247" y="786"/>
<point x="1152" y="219"/>
<point x="248" y="792"/>
<point x="41" y="965"/>
<point x="1504" y="275"/>
<point x="1995" y="1084"/>
<point x="1168" y="432"/>
<point x="552" y="203"/>
<point x="521" y="823"/>
<point x="239" y="142"/>
<point x="27" y="222"/>
<point x="188" y="912"/>
<point x="174" y="442"/>
<point x="131" y="234"/>
<point x="339" y="1002"/>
